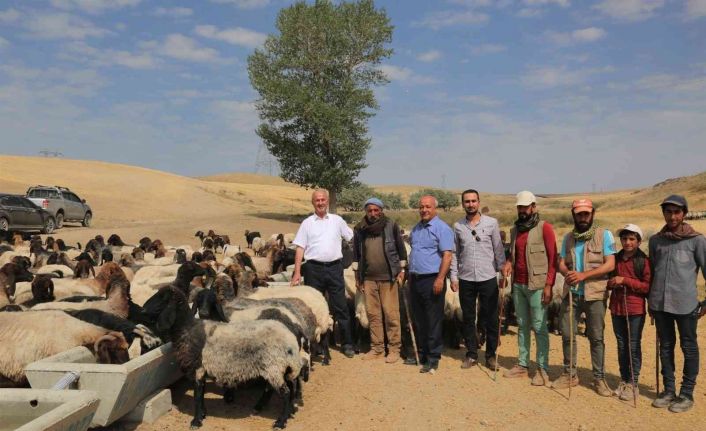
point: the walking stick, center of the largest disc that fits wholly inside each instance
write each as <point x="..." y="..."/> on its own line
<point x="627" y="321"/>
<point x="652" y="320"/>
<point x="409" y="318"/>
<point x="500" y="316"/>
<point x="571" y="341"/>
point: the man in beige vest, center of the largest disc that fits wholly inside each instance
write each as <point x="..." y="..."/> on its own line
<point x="587" y="257"/>
<point x="531" y="263"/>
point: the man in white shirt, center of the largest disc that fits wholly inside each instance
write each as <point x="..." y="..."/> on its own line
<point x="318" y="242"/>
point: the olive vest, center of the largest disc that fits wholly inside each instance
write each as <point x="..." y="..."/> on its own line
<point x="535" y="256"/>
<point x="595" y="288"/>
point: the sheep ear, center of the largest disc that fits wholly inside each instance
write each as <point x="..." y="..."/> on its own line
<point x="221" y="314"/>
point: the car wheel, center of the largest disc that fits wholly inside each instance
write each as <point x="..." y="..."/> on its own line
<point x="87" y="220"/>
<point x="59" y="220"/>
<point x="4" y="224"/>
<point x="49" y="226"/>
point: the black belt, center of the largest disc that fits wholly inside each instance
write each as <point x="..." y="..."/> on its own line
<point x="316" y="262"/>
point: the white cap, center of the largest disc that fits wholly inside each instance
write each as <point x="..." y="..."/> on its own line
<point x="525" y="198"/>
<point x="631" y="228"/>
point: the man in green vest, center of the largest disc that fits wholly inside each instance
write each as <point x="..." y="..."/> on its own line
<point x="587" y="257"/>
<point x="531" y="262"/>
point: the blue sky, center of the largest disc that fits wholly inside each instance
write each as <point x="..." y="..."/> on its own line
<point x="499" y="95"/>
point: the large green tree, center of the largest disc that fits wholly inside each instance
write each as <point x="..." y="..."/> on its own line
<point x="315" y="79"/>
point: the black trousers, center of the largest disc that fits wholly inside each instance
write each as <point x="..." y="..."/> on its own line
<point x="486" y="293"/>
<point x="329" y="279"/>
<point x="428" y="312"/>
<point x="686" y="323"/>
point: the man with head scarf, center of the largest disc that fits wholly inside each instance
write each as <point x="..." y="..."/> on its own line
<point x="379" y="261"/>
<point x="531" y="263"/>
<point x="677" y="253"/>
<point x="587" y="257"/>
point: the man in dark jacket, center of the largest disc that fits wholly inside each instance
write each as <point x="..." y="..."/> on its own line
<point x="379" y="259"/>
<point x="677" y="253"/>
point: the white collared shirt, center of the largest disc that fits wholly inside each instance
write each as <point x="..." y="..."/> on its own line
<point x="320" y="237"/>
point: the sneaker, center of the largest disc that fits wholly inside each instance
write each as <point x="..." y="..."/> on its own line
<point x="682" y="404"/>
<point x="629" y="392"/>
<point x="618" y="392"/>
<point x="515" y="372"/>
<point x="664" y="400"/>
<point x="392" y="357"/>
<point x="490" y="363"/>
<point x="410" y="361"/>
<point x="372" y="355"/>
<point x="564" y="380"/>
<point x="601" y="388"/>
<point x="469" y="362"/>
<point x="541" y="378"/>
<point x="348" y="351"/>
<point x="425" y="368"/>
<point x="434" y="368"/>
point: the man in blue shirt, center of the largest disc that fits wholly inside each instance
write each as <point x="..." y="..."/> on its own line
<point x="587" y="257"/>
<point x="432" y="244"/>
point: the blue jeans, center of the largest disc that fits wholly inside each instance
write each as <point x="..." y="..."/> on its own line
<point x="620" y="328"/>
<point x="686" y="323"/>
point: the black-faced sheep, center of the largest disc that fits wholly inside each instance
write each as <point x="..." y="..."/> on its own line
<point x="250" y="236"/>
<point x="229" y="353"/>
<point x="10" y="275"/>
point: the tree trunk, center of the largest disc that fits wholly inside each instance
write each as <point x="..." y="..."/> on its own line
<point x="332" y="201"/>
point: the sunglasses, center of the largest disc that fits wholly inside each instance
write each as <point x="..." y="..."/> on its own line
<point x="473" y="232"/>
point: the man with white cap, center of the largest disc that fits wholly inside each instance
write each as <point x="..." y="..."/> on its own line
<point x="531" y="263"/>
<point x="586" y="259"/>
<point x="678" y="252"/>
<point x="629" y="285"/>
<point x="379" y="261"/>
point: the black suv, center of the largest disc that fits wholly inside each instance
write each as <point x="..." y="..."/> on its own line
<point x="19" y="214"/>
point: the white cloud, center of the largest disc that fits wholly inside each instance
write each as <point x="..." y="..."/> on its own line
<point x="442" y="19"/>
<point x="429" y="56"/>
<point x="696" y="8"/>
<point x="238" y="115"/>
<point x="404" y="74"/>
<point x="9" y="16"/>
<point x="236" y="35"/>
<point x="62" y="26"/>
<point x="173" y="12"/>
<point x="93" y="6"/>
<point x="4" y="43"/>
<point x="584" y="35"/>
<point x="562" y="3"/>
<point x="488" y="48"/>
<point x="550" y="76"/>
<point x="484" y="101"/>
<point x="185" y="48"/>
<point x="82" y="52"/>
<point x="630" y="10"/>
<point x="673" y="84"/>
<point x="528" y="12"/>
<point x="244" y="4"/>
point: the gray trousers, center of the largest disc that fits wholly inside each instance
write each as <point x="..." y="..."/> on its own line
<point x="595" y="325"/>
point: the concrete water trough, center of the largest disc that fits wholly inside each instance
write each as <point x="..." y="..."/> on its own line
<point x="45" y="409"/>
<point x="119" y="387"/>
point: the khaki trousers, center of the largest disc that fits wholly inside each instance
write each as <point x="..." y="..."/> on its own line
<point x="381" y="298"/>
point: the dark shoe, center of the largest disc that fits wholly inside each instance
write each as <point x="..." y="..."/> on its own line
<point x="681" y="404"/>
<point x="664" y="400"/>
<point x="425" y="368"/>
<point x="469" y="363"/>
<point x="434" y="367"/>
<point x="348" y="351"/>
<point x="491" y="364"/>
<point x="410" y="361"/>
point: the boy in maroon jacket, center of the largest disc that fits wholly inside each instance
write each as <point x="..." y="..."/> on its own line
<point x="629" y="285"/>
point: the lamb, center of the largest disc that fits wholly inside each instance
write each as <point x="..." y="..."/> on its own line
<point x="229" y="353"/>
<point x="257" y="246"/>
<point x="145" y="287"/>
<point x="250" y="237"/>
<point x="84" y="269"/>
<point x="114" y="323"/>
<point x="10" y="274"/>
<point x="32" y="335"/>
<point x="117" y="300"/>
<point x="42" y="291"/>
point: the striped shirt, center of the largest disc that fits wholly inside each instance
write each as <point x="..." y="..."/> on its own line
<point x="478" y="257"/>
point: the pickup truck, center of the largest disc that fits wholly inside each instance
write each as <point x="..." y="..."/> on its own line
<point x="61" y="203"/>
